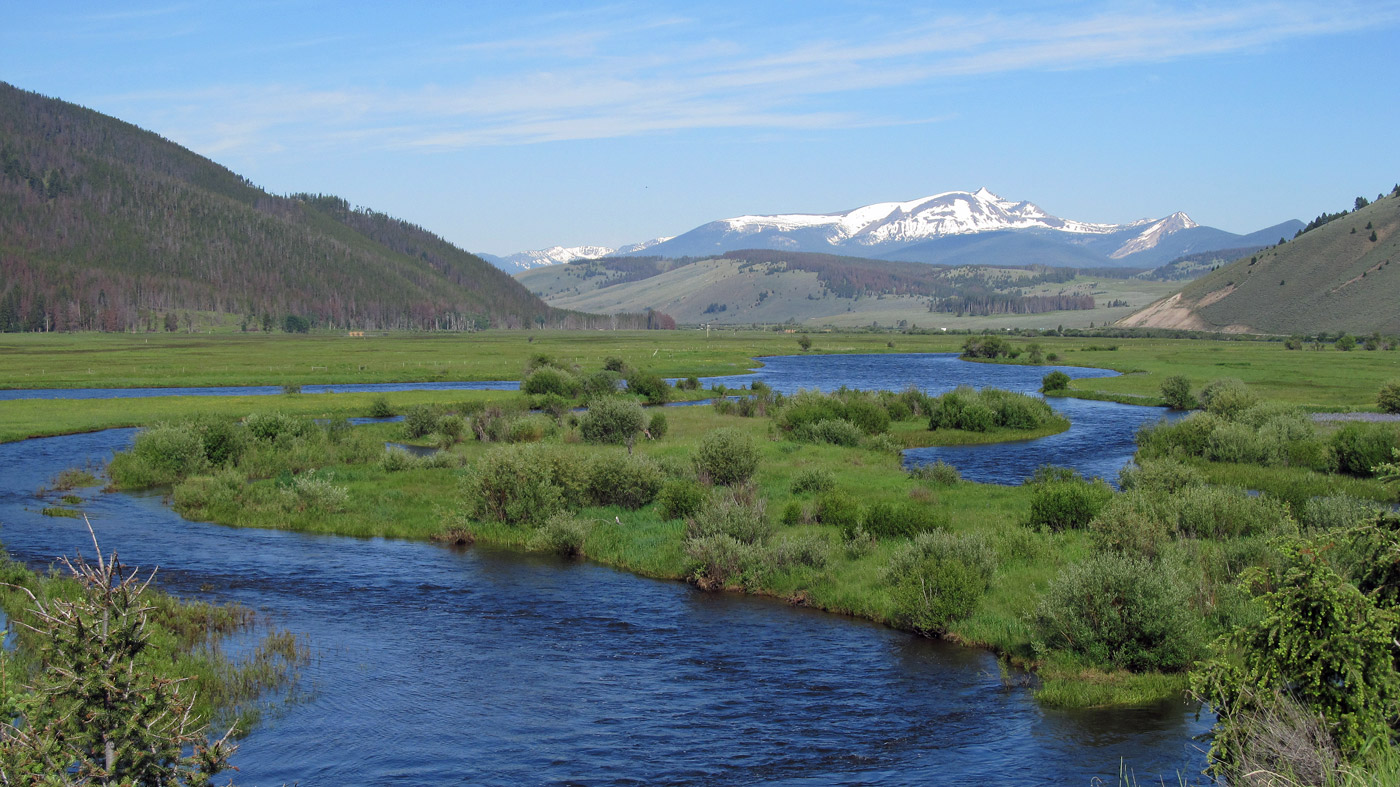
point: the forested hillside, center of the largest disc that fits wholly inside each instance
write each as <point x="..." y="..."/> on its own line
<point x="105" y="226"/>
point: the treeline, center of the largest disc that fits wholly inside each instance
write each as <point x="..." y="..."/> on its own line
<point x="983" y="305"/>
<point x="1327" y="218"/>
<point x="104" y="226"/>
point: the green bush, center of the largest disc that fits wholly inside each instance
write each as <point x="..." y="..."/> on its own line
<point x="626" y="480"/>
<point x="569" y="471"/>
<point x="1389" y="397"/>
<point x="793" y="513"/>
<point x="379" y="408"/>
<point x="314" y="493"/>
<point x="726" y="456"/>
<point x="397" y="460"/>
<point x="1054" y="381"/>
<point x="1227" y="397"/>
<point x="651" y="387"/>
<point x="939" y="578"/>
<point x="938" y="472"/>
<point x="1137" y="523"/>
<point x="658" y="426"/>
<point x="807" y="549"/>
<point x="991" y="408"/>
<point x="1159" y="475"/>
<point x="161" y="455"/>
<point x="1337" y="513"/>
<point x="718" y="561"/>
<point x="1359" y="447"/>
<point x="1176" y="392"/>
<point x="453" y="426"/>
<point x="549" y="380"/>
<point x="680" y="498"/>
<point x="1222" y="512"/>
<point x="833" y="431"/>
<point x="269" y="427"/>
<point x="840" y="511"/>
<point x="740" y="519"/>
<point x="561" y="533"/>
<point x="512" y="484"/>
<point x="816" y="479"/>
<point x="222" y="440"/>
<point x="1121" y="611"/>
<point x="600" y="384"/>
<point x="420" y="420"/>
<point x="1067" y="505"/>
<point x="531" y="428"/>
<point x="612" y="420"/>
<point x="903" y="520"/>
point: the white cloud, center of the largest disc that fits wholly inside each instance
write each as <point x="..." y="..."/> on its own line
<point x="589" y="77"/>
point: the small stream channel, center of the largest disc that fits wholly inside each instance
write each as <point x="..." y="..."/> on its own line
<point x="435" y="665"/>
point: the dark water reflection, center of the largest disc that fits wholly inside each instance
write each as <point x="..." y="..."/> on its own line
<point x="439" y="666"/>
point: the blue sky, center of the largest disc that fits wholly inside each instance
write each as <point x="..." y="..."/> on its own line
<point x="510" y="126"/>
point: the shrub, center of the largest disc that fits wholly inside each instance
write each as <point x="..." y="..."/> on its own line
<point x="1389" y="397"/>
<point x="1066" y="505"/>
<point x="612" y="419"/>
<point x="1318" y="638"/>
<point x="1121" y="611"/>
<point x="530" y="429"/>
<point x="939" y="578"/>
<point x="549" y="380"/>
<point x="727" y="456"/>
<point x="221" y="439"/>
<point x="680" y="498"/>
<point x="599" y="384"/>
<point x="937" y="472"/>
<point x="512" y="484"/>
<point x="615" y="365"/>
<point x="719" y="561"/>
<point x="885" y="444"/>
<point x="161" y="455"/>
<point x="453" y="426"/>
<point x="1360" y="447"/>
<point x="491" y="425"/>
<point x="742" y="520"/>
<point x="990" y="408"/>
<point x="1135" y="523"/>
<point x="624" y="480"/>
<point x="379" y="408"/>
<point x="562" y="533"/>
<point x="420" y="420"/>
<point x="651" y="387"/>
<point x="807" y="549"/>
<point x="569" y="471"/>
<point x="1227" y="397"/>
<point x="814" y="480"/>
<point x="658" y="426"/>
<point x="1176" y="392"/>
<point x="268" y="427"/>
<point x="1159" y="475"/>
<point x="1222" y="512"/>
<point x="832" y="430"/>
<point x="1054" y="381"/>
<point x="1338" y="512"/>
<point x="793" y="513"/>
<point x="839" y="511"/>
<point x="311" y="492"/>
<point x="396" y="460"/>
<point x="903" y="520"/>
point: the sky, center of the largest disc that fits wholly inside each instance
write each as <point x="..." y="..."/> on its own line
<point x="523" y="125"/>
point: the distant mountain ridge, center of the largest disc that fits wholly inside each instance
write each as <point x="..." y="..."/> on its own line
<point x="106" y="226"/>
<point x="952" y="228"/>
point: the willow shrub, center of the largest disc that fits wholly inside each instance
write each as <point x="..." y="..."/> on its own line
<point x="1122" y="611"/>
<point x="612" y="420"/>
<point x="903" y="520"/>
<point x="512" y="484"/>
<point x="726" y="457"/>
<point x="681" y="497"/>
<point x="1067" y="504"/>
<point x="626" y="480"/>
<point x="939" y="578"/>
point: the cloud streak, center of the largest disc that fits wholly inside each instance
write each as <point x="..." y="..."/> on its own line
<point x="668" y="74"/>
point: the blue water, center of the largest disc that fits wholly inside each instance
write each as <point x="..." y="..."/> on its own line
<point x="443" y="666"/>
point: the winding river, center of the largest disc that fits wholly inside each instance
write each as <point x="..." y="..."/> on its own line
<point x="436" y="665"/>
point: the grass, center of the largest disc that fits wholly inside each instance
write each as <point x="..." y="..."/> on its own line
<point x="916" y="434"/>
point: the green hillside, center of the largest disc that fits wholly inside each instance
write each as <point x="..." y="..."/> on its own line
<point x="1335" y="277"/>
<point x="105" y="226"/>
<point x="769" y="287"/>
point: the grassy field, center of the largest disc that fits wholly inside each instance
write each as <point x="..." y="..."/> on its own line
<point x="1326" y="379"/>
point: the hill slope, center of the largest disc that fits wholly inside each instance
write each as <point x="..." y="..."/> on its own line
<point x="105" y="226"/>
<point x="1332" y="278"/>
<point x="770" y="287"/>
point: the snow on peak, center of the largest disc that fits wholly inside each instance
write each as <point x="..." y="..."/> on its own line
<point x="556" y="255"/>
<point x="1154" y="233"/>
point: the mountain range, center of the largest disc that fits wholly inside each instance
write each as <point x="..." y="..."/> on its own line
<point x="952" y="228"/>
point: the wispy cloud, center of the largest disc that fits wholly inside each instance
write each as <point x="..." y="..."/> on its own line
<point x="586" y="77"/>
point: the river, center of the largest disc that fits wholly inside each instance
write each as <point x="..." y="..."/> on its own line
<point x="435" y="665"/>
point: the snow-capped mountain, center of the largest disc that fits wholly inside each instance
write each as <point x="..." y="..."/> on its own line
<point x="955" y="227"/>
<point x="558" y="255"/>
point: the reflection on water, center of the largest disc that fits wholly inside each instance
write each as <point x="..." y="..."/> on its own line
<point x="437" y="666"/>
